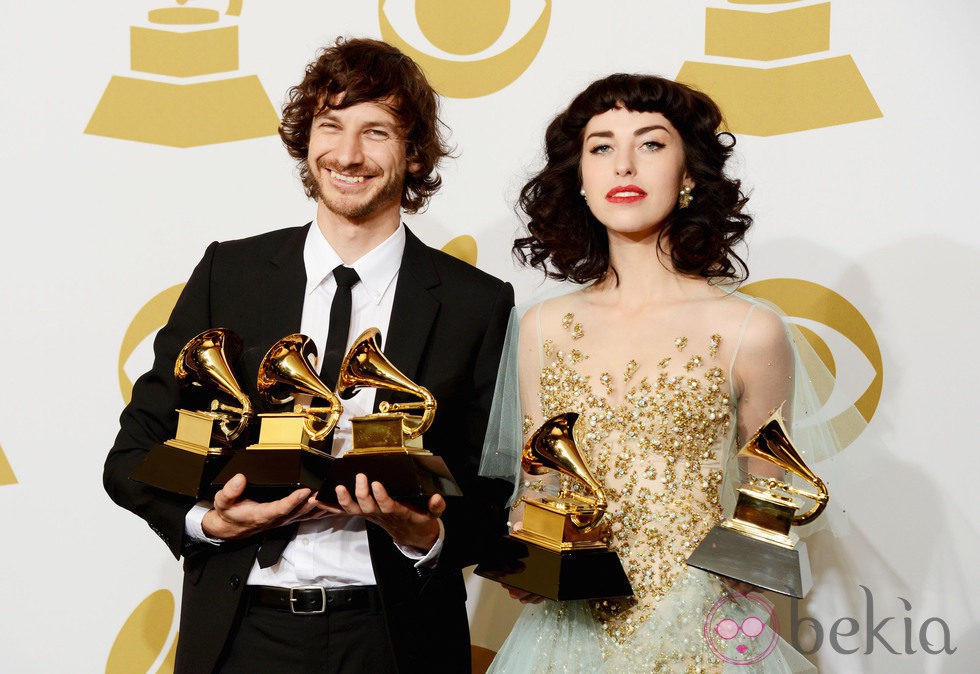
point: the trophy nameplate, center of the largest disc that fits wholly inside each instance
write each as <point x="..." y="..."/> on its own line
<point x="188" y="463"/>
<point x="556" y="552"/>
<point x="387" y="446"/>
<point x="756" y="545"/>
<point x="291" y="452"/>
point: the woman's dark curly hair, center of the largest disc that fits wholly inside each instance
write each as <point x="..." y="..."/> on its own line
<point x="567" y="242"/>
<point x="369" y="71"/>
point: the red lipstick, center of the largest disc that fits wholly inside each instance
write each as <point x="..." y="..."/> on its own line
<point x="625" y="194"/>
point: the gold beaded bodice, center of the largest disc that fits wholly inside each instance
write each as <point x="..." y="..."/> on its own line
<point x="654" y="432"/>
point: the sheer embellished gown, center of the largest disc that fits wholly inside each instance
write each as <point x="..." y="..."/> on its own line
<point x="663" y="397"/>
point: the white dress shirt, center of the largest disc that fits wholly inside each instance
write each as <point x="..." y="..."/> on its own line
<point x="333" y="552"/>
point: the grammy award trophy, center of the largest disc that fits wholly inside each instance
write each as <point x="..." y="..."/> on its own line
<point x="290" y="452"/>
<point x="387" y="445"/>
<point x="755" y="545"/>
<point x="553" y="554"/>
<point x="187" y="464"/>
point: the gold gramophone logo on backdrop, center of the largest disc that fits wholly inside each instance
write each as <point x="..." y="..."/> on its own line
<point x="764" y="98"/>
<point x="471" y="36"/>
<point x="186" y="92"/>
<point x="143" y="640"/>
<point x="6" y="472"/>
<point x="821" y="306"/>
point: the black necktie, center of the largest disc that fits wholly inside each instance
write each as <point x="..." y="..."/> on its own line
<point x="334" y="353"/>
<point x="276" y="539"/>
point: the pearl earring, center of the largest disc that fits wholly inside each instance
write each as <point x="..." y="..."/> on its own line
<point x="582" y="192"/>
<point x="685" y="197"/>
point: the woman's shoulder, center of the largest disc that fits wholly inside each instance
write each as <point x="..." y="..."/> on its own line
<point x="763" y="329"/>
<point x="547" y="311"/>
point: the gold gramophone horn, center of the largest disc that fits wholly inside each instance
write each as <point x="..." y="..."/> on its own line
<point x="552" y="447"/>
<point x="204" y="362"/>
<point x="771" y="443"/>
<point x="285" y="370"/>
<point x="365" y="366"/>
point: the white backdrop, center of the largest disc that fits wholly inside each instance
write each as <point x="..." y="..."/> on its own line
<point x="876" y="210"/>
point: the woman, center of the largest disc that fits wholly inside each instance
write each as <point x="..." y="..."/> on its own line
<point x="668" y="369"/>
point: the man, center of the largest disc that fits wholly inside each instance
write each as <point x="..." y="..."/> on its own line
<point x="382" y="583"/>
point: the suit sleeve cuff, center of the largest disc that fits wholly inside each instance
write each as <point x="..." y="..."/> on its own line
<point x="429" y="559"/>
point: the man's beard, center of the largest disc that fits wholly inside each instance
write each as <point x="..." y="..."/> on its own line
<point x="356" y="209"/>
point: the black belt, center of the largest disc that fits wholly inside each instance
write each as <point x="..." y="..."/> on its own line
<point x="313" y="599"/>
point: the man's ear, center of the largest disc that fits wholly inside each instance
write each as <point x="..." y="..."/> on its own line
<point x="414" y="168"/>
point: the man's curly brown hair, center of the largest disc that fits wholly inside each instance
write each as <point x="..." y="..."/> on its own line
<point x="363" y="71"/>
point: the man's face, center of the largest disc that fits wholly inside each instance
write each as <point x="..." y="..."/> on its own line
<point x="357" y="158"/>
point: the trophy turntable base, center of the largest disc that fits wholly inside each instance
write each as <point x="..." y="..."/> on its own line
<point x="406" y="476"/>
<point x="181" y="471"/>
<point x="273" y="474"/>
<point x="562" y="576"/>
<point x="727" y="552"/>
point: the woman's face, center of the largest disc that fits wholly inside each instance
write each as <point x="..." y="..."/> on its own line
<point x="632" y="170"/>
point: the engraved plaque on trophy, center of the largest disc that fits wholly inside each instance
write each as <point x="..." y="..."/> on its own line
<point x="756" y="545"/>
<point x="556" y="553"/>
<point x="387" y="445"/>
<point x="289" y="454"/>
<point x="189" y="462"/>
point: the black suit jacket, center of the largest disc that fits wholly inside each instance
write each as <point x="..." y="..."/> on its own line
<point x="446" y="333"/>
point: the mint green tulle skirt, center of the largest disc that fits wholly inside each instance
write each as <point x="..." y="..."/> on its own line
<point x="699" y="626"/>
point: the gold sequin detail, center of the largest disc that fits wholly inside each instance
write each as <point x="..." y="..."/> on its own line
<point x="631" y="368"/>
<point x="657" y="454"/>
<point x="606" y="380"/>
<point x="713" y="345"/>
<point x="574" y="328"/>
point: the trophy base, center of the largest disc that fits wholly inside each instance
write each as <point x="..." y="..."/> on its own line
<point x="562" y="576"/>
<point x="772" y="567"/>
<point x="273" y="474"/>
<point x="410" y="478"/>
<point x="180" y="471"/>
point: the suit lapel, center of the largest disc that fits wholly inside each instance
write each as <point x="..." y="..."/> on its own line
<point x="276" y="303"/>
<point x="288" y="282"/>
<point x="413" y="312"/>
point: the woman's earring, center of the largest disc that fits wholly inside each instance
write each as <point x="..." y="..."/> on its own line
<point x="582" y="192"/>
<point x="685" y="197"/>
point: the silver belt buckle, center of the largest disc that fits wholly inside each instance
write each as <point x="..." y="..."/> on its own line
<point x="293" y="599"/>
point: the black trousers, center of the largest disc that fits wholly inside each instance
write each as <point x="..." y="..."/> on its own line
<point x="273" y="641"/>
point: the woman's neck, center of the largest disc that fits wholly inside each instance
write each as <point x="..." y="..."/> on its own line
<point x="644" y="274"/>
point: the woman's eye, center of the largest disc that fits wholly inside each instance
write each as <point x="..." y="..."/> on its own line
<point x="600" y="149"/>
<point x="652" y="145"/>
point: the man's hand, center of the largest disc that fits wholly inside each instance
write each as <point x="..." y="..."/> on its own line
<point x="234" y="517"/>
<point x="406" y="526"/>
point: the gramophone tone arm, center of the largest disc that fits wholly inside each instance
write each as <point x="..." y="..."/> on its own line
<point x="819" y="498"/>
<point x="234" y="420"/>
<point x="427" y="405"/>
<point x="324" y="417"/>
